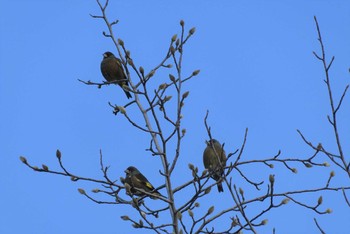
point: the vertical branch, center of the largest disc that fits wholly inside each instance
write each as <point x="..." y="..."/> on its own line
<point x="333" y="119"/>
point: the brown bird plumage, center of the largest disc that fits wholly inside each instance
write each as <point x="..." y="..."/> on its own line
<point x="112" y="70"/>
<point x="137" y="181"/>
<point x="214" y="159"/>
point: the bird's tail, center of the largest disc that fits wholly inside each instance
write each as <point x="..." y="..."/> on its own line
<point x="128" y="94"/>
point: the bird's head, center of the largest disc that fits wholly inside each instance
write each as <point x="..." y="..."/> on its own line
<point x="108" y="54"/>
<point x="131" y="171"/>
<point x="212" y="141"/>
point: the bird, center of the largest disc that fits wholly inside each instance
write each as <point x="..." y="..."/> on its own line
<point x="214" y="159"/>
<point x="112" y="70"/>
<point x="137" y="181"/>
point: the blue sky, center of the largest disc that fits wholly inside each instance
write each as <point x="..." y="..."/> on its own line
<point x="257" y="71"/>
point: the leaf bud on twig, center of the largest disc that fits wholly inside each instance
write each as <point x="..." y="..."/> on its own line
<point x="185" y="95"/>
<point x="125" y="217"/>
<point x="23" y="160"/>
<point x="81" y="191"/>
<point x="207" y="190"/>
<point x="320" y="200"/>
<point x="190" y="213"/>
<point x="285" y="201"/>
<point x="192" y="30"/>
<point x="120" y="42"/>
<point x="196" y="72"/>
<point x="58" y="154"/>
<point x="173" y="38"/>
<point x="210" y="210"/>
<point x="264" y="222"/>
<point x="45" y="168"/>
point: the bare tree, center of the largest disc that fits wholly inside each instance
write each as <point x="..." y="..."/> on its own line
<point x="161" y="109"/>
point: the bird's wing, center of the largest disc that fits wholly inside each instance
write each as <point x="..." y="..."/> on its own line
<point x="143" y="180"/>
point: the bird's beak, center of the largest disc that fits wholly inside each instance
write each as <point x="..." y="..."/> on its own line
<point x="126" y="171"/>
<point x="206" y="142"/>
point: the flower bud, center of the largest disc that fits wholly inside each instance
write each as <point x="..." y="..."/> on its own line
<point x="294" y="170"/>
<point x="190" y="213"/>
<point x="264" y="222"/>
<point x="328" y="211"/>
<point x="167" y="98"/>
<point x="81" y="191"/>
<point x="192" y="30"/>
<point x="285" y="201"/>
<point x="320" y="200"/>
<point x="179" y="215"/>
<point x="172" y="78"/>
<point x="210" y="210"/>
<point x="332" y="174"/>
<point x="241" y="191"/>
<point x="182" y="23"/>
<point x="58" y="154"/>
<point x="207" y="190"/>
<point x="120" y="42"/>
<point x="125" y="217"/>
<point x="185" y="95"/>
<point x="45" y="168"/>
<point x="23" y="160"/>
<point x="272" y="179"/>
<point x="173" y="38"/>
<point x="162" y="86"/>
<point x="196" y="72"/>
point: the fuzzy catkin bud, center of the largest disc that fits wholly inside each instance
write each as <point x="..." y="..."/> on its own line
<point x="179" y="215"/>
<point x="120" y="42"/>
<point x="264" y="222"/>
<point x="81" y="191"/>
<point x="185" y="95"/>
<point x="23" y="160"/>
<point x="207" y="190"/>
<point x="285" y="201"/>
<point x="210" y="210"/>
<point x="173" y="38"/>
<point x="125" y="217"/>
<point x="192" y="30"/>
<point x="320" y="200"/>
<point x="58" y="154"/>
<point x="172" y="78"/>
<point x="196" y="72"/>
<point x="45" y="168"/>
<point x="190" y="213"/>
<point x="241" y="191"/>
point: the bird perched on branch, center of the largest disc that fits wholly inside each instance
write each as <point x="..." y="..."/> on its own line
<point x="137" y="182"/>
<point x="214" y="159"/>
<point x="112" y="70"/>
